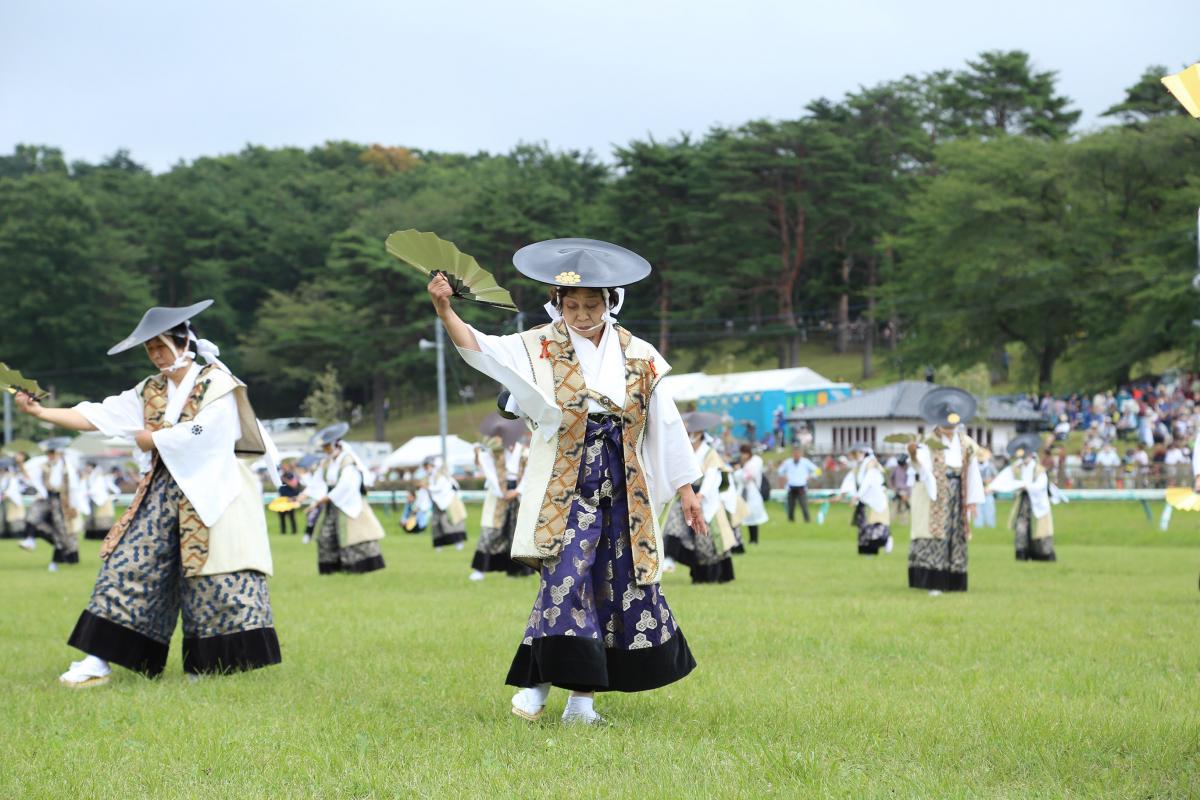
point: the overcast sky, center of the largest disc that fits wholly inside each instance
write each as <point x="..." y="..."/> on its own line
<point x="171" y="80"/>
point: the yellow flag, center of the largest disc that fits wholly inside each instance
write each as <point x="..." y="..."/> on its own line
<point x="1186" y="88"/>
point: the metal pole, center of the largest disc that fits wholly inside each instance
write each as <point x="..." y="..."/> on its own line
<point x="8" y="437"/>
<point x="441" y="373"/>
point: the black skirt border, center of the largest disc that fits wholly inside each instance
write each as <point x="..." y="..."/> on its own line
<point x="939" y="579"/>
<point x="585" y="665"/>
<point x="119" y="645"/>
<point x="231" y="652"/>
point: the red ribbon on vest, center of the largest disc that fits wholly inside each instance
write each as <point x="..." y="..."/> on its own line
<point x="545" y="348"/>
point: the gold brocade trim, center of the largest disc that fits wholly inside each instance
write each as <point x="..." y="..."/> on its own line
<point x="193" y="533"/>
<point x="572" y="394"/>
<point x="939" y="521"/>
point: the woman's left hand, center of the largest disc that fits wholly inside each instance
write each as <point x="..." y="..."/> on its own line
<point x="693" y="515"/>
<point x="145" y="441"/>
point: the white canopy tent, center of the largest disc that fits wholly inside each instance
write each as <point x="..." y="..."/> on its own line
<point x="461" y="454"/>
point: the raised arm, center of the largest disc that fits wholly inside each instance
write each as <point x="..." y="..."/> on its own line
<point x="62" y="417"/>
<point x="460" y="332"/>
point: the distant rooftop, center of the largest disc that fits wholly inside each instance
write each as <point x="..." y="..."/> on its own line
<point x="902" y="401"/>
<point x="691" y="386"/>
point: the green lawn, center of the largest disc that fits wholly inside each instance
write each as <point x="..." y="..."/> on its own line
<point x="820" y="675"/>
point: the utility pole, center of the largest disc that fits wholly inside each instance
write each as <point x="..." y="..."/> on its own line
<point x="441" y="372"/>
<point x="439" y="344"/>
<point x="8" y="437"/>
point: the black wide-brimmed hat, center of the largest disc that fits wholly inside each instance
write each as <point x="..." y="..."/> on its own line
<point x="156" y="321"/>
<point x="580" y="263"/>
<point x="1024" y="444"/>
<point x="331" y="434"/>
<point x="696" y="421"/>
<point x="946" y="407"/>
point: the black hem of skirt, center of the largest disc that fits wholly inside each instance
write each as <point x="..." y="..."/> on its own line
<point x="231" y="652"/>
<point x="119" y="645"/>
<point x="95" y="534"/>
<point x="499" y="563"/>
<point x="328" y="567"/>
<point x="1040" y="557"/>
<point x="721" y="572"/>
<point x="366" y="565"/>
<point x="940" y="579"/>
<point x="1022" y="555"/>
<point x="868" y="550"/>
<point x="61" y="557"/>
<point x="449" y="538"/>
<point x="585" y="665"/>
<point x="738" y="549"/>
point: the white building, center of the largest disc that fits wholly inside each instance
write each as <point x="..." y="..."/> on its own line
<point x="876" y="414"/>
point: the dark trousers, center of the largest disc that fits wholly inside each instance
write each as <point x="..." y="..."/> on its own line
<point x="286" y="517"/>
<point x="753" y="534"/>
<point x="797" y="494"/>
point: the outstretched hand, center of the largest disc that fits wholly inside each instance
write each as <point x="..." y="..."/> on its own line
<point x="27" y="403"/>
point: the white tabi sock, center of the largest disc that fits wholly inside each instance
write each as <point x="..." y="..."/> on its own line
<point x="531" y="699"/>
<point x="579" y="706"/>
<point x="98" y="666"/>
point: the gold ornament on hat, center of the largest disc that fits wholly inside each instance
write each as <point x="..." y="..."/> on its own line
<point x="953" y="418"/>
<point x="568" y="278"/>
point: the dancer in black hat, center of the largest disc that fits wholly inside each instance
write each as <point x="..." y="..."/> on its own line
<point x="194" y="539"/>
<point x="608" y="451"/>
<point x="348" y="530"/>
<point x="944" y="499"/>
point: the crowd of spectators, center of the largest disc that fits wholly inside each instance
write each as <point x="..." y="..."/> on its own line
<point x="1137" y="436"/>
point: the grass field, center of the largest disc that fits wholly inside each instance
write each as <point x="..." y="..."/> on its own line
<point x="820" y="675"/>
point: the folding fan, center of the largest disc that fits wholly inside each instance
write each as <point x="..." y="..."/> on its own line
<point x="283" y="504"/>
<point x="13" y="381"/>
<point x="905" y="438"/>
<point x="1183" y="499"/>
<point x="1185" y="86"/>
<point x="432" y="255"/>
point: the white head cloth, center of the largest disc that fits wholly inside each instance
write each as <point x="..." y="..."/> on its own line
<point x="610" y="314"/>
<point x="183" y="358"/>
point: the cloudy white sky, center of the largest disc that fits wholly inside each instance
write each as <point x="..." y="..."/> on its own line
<point x="171" y="80"/>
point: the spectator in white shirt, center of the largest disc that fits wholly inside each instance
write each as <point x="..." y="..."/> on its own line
<point x="796" y="471"/>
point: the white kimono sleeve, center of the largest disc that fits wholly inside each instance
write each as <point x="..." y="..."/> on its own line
<point x="667" y="455"/>
<point x="316" y="488"/>
<point x="1006" y="481"/>
<point x="199" y="455"/>
<point x="346" y="495"/>
<point x="505" y="360"/>
<point x="975" y="494"/>
<point x="710" y="494"/>
<point x="119" y="416"/>
<point x="925" y="472"/>
<point x="849" y="485"/>
<point x="491" y="480"/>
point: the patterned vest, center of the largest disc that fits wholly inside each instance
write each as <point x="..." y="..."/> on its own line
<point x="572" y="394"/>
<point x="193" y="533"/>
<point x="940" y="523"/>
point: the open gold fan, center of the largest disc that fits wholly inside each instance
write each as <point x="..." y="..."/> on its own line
<point x="431" y="255"/>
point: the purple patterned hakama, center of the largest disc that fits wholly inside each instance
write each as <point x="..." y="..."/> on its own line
<point x="592" y="627"/>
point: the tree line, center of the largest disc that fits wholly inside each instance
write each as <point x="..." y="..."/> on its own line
<point x="950" y="218"/>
